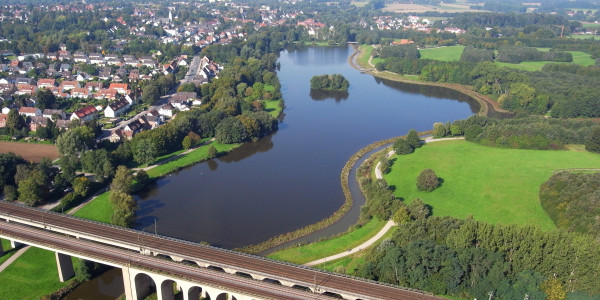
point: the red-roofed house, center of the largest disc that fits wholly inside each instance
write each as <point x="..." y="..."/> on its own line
<point x="46" y="83"/>
<point x="84" y="114"/>
<point x="26" y="89"/>
<point x="106" y="93"/>
<point x="121" y="88"/>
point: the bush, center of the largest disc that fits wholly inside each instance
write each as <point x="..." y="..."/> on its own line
<point x="593" y="142"/>
<point x="10" y="193"/>
<point x="427" y="180"/>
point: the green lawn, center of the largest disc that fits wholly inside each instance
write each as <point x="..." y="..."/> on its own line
<point x="197" y="155"/>
<point x="272" y="107"/>
<point x="495" y="185"/>
<point x="363" y="59"/>
<point x="31" y="276"/>
<point x="99" y="209"/>
<point x="579" y="57"/>
<point x="585" y="37"/>
<point x="307" y="253"/>
<point x="8" y="250"/>
<point x="450" y="53"/>
<point x="591" y="25"/>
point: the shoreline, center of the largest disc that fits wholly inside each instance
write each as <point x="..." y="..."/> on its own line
<point x="487" y="104"/>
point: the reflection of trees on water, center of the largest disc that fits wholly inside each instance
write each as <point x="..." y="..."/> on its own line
<point x="320" y="95"/>
<point x="431" y="91"/>
<point x="246" y="150"/>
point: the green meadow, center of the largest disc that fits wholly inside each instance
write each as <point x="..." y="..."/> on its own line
<point x="495" y="185"/>
<point x="450" y="53"/>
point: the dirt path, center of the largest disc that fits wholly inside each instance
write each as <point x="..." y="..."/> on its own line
<point x="361" y="247"/>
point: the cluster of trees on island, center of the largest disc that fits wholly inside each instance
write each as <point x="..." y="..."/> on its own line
<point x="333" y="82"/>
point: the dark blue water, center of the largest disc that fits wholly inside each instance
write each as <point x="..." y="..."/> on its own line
<point x="292" y="178"/>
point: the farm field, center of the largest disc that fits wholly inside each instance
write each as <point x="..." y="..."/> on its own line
<point x="417" y="8"/>
<point x="450" y="53"/>
<point x="30" y="151"/>
<point x="495" y="185"/>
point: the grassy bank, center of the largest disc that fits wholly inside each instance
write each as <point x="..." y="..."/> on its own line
<point x="189" y="159"/>
<point x="495" y="185"/>
<point x="31" y="276"/>
<point x="307" y="253"/>
<point x="99" y="209"/>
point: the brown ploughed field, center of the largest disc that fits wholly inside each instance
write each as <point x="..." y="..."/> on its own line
<point x="30" y="151"/>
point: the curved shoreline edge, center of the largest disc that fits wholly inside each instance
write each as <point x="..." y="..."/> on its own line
<point x="484" y="101"/>
<point x="337" y="215"/>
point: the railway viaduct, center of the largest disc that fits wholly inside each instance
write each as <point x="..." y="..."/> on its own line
<point x="168" y="265"/>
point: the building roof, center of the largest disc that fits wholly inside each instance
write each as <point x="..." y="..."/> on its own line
<point x="28" y="110"/>
<point x="86" y="111"/>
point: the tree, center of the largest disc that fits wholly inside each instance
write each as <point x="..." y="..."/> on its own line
<point x="123" y="208"/>
<point x="593" y="142"/>
<point x="14" y="122"/>
<point x="122" y="181"/>
<point x="45" y="99"/>
<point x="212" y="152"/>
<point x="403" y="147"/>
<point x="10" y="193"/>
<point x="439" y="130"/>
<point x="230" y="130"/>
<point x="30" y="192"/>
<point x="427" y="180"/>
<point x="75" y="141"/>
<point x="150" y="94"/>
<point x="413" y="138"/>
<point x="402" y="215"/>
<point x="142" y="178"/>
<point x="81" y="186"/>
<point x="554" y="289"/>
<point x="187" y="87"/>
<point x="144" y="151"/>
<point x="418" y="209"/>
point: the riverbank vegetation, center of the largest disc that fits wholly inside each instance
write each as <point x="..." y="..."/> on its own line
<point x="355" y="236"/>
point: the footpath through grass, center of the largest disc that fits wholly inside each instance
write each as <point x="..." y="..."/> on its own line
<point x="311" y="252"/>
<point x="31" y="276"/>
<point x="495" y="185"/>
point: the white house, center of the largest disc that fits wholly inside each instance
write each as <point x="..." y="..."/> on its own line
<point x="116" y="108"/>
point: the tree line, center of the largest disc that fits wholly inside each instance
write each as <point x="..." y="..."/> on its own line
<point x="329" y="82"/>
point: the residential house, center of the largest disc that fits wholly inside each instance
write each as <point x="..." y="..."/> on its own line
<point x="80" y="93"/>
<point x="93" y="86"/>
<point x="148" y="61"/>
<point x="26" y="89"/>
<point x="63" y="124"/>
<point x="114" y="109"/>
<point x="36" y="122"/>
<point x="80" y="57"/>
<point x="7" y="88"/>
<point x="50" y="113"/>
<point x="57" y="91"/>
<point x="121" y="88"/>
<point x="130" y="60"/>
<point x="116" y="136"/>
<point x="167" y="110"/>
<point x="82" y="76"/>
<point x="85" y="114"/>
<point x="69" y="85"/>
<point x="152" y="121"/>
<point x="105" y="74"/>
<point x="96" y="59"/>
<point x="112" y="59"/>
<point x="30" y="112"/>
<point x="24" y="80"/>
<point x="182" y="99"/>
<point x="64" y="68"/>
<point x="134" y="75"/>
<point x="109" y="94"/>
<point x="46" y="83"/>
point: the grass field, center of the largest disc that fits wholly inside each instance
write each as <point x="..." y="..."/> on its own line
<point x="498" y="186"/>
<point x="579" y="57"/>
<point x="31" y="276"/>
<point x="585" y="37"/>
<point x="307" y="253"/>
<point x="591" y="25"/>
<point x="8" y="251"/>
<point x="450" y="53"/>
<point x="272" y="107"/>
<point x="359" y="3"/>
<point x="99" y="209"/>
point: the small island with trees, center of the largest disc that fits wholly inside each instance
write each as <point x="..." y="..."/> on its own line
<point x="326" y="82"/>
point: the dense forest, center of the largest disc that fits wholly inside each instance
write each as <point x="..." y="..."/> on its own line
<point x="572" y="200"/>
<point x="470" y="259"/>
